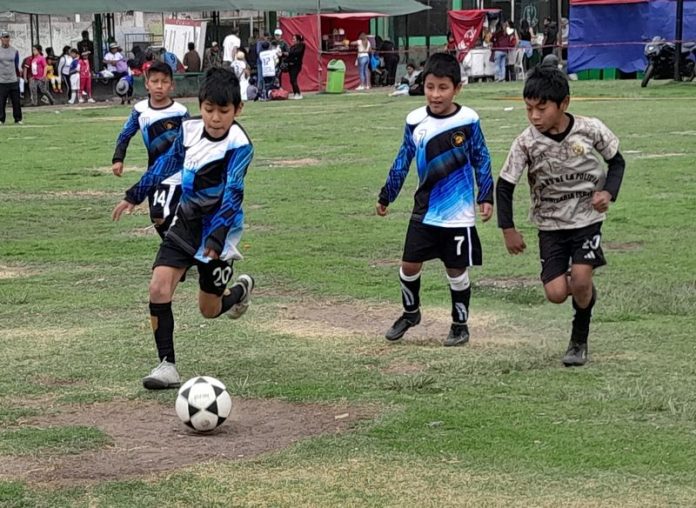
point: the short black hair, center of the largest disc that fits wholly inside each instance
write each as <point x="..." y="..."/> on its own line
<point x="220" y="86"/>
<point x="191" y="46"/>
<point x="160" y="67"/>
<point x="265" y="45"/>
<point x="443" y="65"/>
<point x="546" y="83"/>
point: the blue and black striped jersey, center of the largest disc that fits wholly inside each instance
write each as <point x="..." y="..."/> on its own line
<point x="210" y="213"/>
<point x="159" y="127"/>
<point x="451" y="154"/>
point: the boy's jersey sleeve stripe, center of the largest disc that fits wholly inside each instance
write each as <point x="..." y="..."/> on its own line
<point x="130" y="128"/>
<point x="165" y="166"/>
<point x="400" y="167"/>
<point x="230" y="212"/>
<point x="481" y="160"/>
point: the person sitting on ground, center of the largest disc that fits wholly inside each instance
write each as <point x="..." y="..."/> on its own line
<point x="408" y="81"/>
<point x="212" y="57"/>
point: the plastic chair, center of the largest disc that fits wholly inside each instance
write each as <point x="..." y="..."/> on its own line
<point x="519" y="69"/>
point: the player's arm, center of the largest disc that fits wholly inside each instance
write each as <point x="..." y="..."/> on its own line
<point x="130" y="128"/>
<point x="166" y="165"/>
<point x="514" y="166"/>
<point x="481" y="161"/>
<point x="397" y="173"/>
<point x="231" y="205"/>
<point x="607" y="144"/>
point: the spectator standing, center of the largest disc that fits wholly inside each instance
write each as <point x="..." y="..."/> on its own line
<point x="212" y="57"/>
<point x="37" y="83"/>
<point x="64" y="68"/>
<point x="230" y="46"/>
<point x="86" y="77"/>
<point x="86" y="45"/>
<point x="391" y="60"/>
<point x="525" y="42"/>
<point x="282" y="48"/>
<point x="9" y="79"/>
<point x="75" y="93"/>
<point x="550" y="33"/>
<point x="170" y="59"/>
<point x="512" y="38"/>
<point x="294" y="63"/>
<point x="268" y="62"/>
<point x="565" y="32"/>
<point x="499" y="41"/>
<point x="363" y="61"/>
<point x="241" y="70"/>
<point x="192" y="60"/>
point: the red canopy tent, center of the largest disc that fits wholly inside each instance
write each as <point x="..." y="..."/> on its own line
<point x="466" y="28"/>
<point x="312" y="27"/>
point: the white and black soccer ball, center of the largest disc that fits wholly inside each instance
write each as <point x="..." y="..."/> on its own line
<point x="203" y="403"/>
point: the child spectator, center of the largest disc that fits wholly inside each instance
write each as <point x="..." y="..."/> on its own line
<point x="75" y="77"/>
<point x="53" y="80"/>
<point x="37" y="81"/>
<point x="85" y="77"/>
<point x="269" y="59"/>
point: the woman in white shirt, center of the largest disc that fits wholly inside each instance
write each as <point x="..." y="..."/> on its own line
<point x="363" y="61"/>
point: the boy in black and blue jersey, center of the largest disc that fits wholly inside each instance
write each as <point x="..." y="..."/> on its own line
<point x="213" y="154"/>
<point x="450" y="151"/>
<point x="159" y="120"/>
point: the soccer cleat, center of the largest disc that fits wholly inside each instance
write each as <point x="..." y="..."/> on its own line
<point x="238" y="309"/>
<point x="458" y="335"/>
<point x="576" y="355"/>
<point x="401" y="325"/>
<point x="162" y="377"/>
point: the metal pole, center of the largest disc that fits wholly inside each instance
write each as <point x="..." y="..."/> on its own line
<point x="50" y="30"/>
<point x="678" y="35"/>
<point x="319" y="48"/>
<point x="559" y="31"/>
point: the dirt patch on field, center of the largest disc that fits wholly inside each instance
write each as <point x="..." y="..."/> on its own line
<point x="623" y="246"/>
<point x="508" y="282"/>
<point x="331" y="320"/>
<point x="147" y="437"/>
<point x="291" y="163"/>
<point x="13" y="272"/>
<point x="126" y="169"/>
<point x="140" y="232"/>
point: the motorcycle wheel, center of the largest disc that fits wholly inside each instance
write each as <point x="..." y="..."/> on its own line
<point x="648" y="74"/>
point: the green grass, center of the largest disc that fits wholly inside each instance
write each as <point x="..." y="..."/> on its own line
<point x="499" y="422"/>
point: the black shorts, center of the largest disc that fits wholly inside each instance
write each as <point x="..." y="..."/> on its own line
<point x="456" y="247"/>
<point x="558" y="250"/>
<point x="163" y="202"/>
<point x="212" y="276"/>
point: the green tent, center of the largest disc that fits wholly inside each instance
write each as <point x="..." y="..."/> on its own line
<point x="66" y="7"/>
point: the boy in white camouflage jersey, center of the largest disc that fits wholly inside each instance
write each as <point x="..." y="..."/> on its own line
<point x="570" y="192"/>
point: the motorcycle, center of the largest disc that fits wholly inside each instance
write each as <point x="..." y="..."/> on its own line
<point x="660" y="55"/>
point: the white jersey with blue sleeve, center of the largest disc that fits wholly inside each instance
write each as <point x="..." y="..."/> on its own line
<point x="210" y="213"/>
<point x="451" y="154"/>
<point x="159" y="127"/>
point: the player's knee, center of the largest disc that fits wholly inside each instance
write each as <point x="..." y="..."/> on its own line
<point x="410" y="269"/>
<point x="581" y="286"/>
<point x="556" y="295"/>
<point x="159" y="291"/>
<point x="209" y="312"/>
<point x="460" y="282"/>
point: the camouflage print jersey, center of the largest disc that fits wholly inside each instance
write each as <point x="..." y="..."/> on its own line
<point x="562" y="175"/>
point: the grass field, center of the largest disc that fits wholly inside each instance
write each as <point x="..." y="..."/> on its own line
<point x="497" y="423"/>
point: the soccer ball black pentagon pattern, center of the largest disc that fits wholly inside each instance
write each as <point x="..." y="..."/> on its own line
<point x="203" y="403"/>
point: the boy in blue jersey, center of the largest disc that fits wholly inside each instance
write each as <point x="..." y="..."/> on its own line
<point x="450" y="151"/>
<point x="159" y="119"/>
<point x="213" y="154"/>
<point x="571" y="191"/>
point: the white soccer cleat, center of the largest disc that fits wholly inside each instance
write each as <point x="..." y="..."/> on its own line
<point x="162" y="377"/>
<point x="238" y="309"/>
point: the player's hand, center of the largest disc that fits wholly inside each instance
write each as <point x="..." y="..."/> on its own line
<point x="117" y="168"/>
<point x="381" y="209"/>
<point x="601" y="200"/>
<point x="210" y="253"/>
<point x="123" y="206"/>
<point x="485" y="211"/>
<point x="514" y="243"/>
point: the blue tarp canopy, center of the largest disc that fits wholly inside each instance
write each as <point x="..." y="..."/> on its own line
<point x="612" y="34"/>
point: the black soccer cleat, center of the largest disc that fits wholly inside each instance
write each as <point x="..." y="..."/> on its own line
<point x="576" y="355"/>
<point x="401" y="325"/>
<point x="458" y="335"/>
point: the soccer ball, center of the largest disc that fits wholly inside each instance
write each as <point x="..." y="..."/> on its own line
<point x="203" y="403"/>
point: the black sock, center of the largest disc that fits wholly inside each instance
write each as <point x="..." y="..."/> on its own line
<point x="162" y="320"/>
<point x="237" y="292"/>
<point x="581" y="321"/>
<point x="410" y="291"/>
<point x="460" y="305"/>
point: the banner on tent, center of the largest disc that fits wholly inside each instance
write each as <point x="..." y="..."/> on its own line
<point x="466" y="28"/>
<point x="179" y="32"/>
